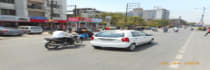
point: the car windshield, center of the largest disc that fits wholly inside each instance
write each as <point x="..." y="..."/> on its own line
<point x="110" y="34"/>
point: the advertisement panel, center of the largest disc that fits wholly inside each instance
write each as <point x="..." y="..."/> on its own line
<point x="73" y="19"/>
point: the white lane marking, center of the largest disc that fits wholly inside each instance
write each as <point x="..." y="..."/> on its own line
<point x="174" y="64"/>
<point x="179" y="56"/>
<point x="187" y="42"/>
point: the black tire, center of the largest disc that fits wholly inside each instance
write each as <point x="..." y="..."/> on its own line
<point x="96" y="47"/>
<point x="40" y="33"/>
<point x="132" y="47"/>
<point x="151" y="41"/>
<point x="47" y="45"/>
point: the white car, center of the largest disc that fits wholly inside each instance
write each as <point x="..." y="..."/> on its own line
<point x="120" y="39"/>
<point x="32" y="29"/>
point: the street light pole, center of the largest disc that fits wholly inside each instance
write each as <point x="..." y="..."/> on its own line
<point x="51" y="15"/>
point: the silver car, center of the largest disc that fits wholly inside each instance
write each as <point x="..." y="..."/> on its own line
<point x="32" y="29"/>
<point x="11" y="31"/>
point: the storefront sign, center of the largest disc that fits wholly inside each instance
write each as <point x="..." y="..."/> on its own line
<point x="38" y="19"/>
<point x="60" y="21"/>
<point x="8" y="18"/>
<point x="14" y="19"/>
<point x="84" y="19"/>
<point x="73" y="19"/>
<point x="97" y="20"/>
<point x="23" y="19"/>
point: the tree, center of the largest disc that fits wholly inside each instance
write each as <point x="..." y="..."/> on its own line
<point x="118" y="19"/>
<point x="158" y="23"/>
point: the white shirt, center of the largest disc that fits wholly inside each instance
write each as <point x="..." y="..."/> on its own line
<point x="60" y="34"/>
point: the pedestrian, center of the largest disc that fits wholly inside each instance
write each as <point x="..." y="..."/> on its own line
<point x="208" y="31"/>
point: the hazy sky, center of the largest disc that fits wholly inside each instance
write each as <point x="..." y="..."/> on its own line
<point x="190" y="10"/>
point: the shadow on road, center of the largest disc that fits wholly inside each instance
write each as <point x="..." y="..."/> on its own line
<point x="69" y="47"/>
<point x="138" y="48"/>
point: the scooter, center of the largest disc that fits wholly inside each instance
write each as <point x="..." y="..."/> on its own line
<point x="55" y="43"/>
<point x="176" y="30"/>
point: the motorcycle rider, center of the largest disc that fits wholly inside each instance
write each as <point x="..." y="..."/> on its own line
<point x="207" y="32"/>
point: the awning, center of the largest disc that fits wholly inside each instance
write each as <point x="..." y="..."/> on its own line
<point x="38" y="20"/>
<point x="59" y="21"/>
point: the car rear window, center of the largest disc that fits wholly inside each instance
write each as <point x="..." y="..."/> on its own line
<point x="110" y="34"/>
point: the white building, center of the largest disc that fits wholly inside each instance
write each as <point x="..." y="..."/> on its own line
<point x="136" y="12"/>
<point x="33" y="8"/>
<point x="162" y="14"/>
<point x="156" y="14"/>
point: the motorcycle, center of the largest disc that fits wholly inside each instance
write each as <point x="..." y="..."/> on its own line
<point x="176" y="30"/>
<point x="55" y="43"/>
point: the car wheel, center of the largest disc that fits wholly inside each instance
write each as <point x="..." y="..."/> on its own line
<point x="151" y="41"/>
<point x="132" y="47"/>
<point x="96" y="47"/>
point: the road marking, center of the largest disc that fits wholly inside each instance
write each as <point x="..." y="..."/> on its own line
<point x="179" y="56"/>
<point x="174" y="64"/>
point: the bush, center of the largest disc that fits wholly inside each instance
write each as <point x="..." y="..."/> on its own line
<point x="199" y="28"/>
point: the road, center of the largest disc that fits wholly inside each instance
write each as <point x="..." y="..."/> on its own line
<point x="28" y="53"/>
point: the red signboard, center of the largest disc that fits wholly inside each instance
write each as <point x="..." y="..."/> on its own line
<point x="38" y="20"/>
<point x="73" y="19"/>
<point x="86" y="19"/>
<point x="60" y="21"/>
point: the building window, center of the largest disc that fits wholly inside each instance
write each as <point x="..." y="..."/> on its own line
<point x="35" y="5"/>
<point x="8" y="1"/>
<point x="8" y="12"/>
<point x="56" y="15"/>
<point x="55" y="4"/>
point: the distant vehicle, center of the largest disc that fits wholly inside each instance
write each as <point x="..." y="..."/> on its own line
<point x="32" y="29"/>
<point x="11" y="31"/>
<point x="85" y="33"/>
<point x="128" y="39"/>
<point x="165" y="29"/>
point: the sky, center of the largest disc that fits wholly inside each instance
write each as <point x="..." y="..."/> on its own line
<point x="189" y="10"/>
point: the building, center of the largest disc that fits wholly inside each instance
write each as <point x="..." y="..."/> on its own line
<point x="34" y="11"/>
<point x="136" y="12"/>
<point x="86" y="12"/>
<point x="33" y="8"/>
<point x="149" y="14"/>
<point x="156" y="14"/>
<point x="162" y="14"/>
<point x="59" y="9"/>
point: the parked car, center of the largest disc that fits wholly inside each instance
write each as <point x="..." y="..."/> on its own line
<point x="11" y="31"/>
<point x="120" y="39"/>
<point x="32" y="29"/>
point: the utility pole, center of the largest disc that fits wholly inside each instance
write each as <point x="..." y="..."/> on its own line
<point x="202" y="17"/>
<point x="126" y="14"/>
<point x="128" y="6"/>
<point x="75" y="8"/>
<point x="51" y="15"/>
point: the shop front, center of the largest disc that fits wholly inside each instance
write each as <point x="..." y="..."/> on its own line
<point x="39" y="21"/>
<point x="83" y="22"/>
<point x="12" y="21"/>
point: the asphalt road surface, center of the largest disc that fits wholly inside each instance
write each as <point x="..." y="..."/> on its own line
<point x="185" y="50"/>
